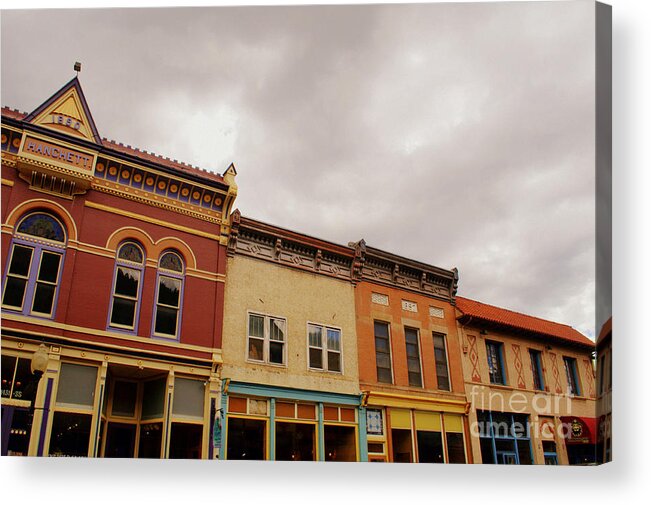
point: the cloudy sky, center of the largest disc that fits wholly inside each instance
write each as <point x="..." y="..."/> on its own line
<point x="455" y="134"/>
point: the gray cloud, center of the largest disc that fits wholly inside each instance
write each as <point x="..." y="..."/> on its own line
<point x="456" y="134"/>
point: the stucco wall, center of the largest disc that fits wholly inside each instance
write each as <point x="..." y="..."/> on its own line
<point x="299" y="297"/>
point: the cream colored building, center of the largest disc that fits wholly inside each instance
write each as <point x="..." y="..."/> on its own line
<point x="291" y="384"/>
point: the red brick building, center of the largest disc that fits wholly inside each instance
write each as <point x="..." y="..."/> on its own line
<point x="114" y="268"/>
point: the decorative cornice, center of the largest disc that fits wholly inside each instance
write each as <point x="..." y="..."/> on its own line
<point x="287" y="248"/>
<point x="123" y="192"/>
<point x="389" y="269"/>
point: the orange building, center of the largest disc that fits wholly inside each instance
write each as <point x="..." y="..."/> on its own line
<point x="531" y="386"/>
<point x="410" y="369"/>
<point x="114" y="269"/>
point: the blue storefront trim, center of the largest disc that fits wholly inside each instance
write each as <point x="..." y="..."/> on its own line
<point x="274" y="393"/>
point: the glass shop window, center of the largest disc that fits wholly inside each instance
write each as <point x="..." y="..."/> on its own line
<point x="150" y="440"/>
<point x="17" y="379"/>
<point x="70" y="434"/>
<point x="153" y="400"/>
<point x="186" y="441"/>
<point x="456" y="449"/>
<point x="295" y="442"/>
<point x="339" y="443"/>
<point x="430" y="447"/>
<point x="246" y="439"/>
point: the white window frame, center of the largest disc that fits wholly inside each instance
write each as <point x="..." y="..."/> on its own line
<point x="266" y="333"/>
<point x="324" y="348"/>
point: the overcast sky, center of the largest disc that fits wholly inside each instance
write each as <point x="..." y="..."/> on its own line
<point x="455" y="134"/>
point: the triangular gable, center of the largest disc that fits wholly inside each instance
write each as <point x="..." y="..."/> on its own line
<point x="67" y="112"/>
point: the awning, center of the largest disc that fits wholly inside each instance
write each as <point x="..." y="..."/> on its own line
<point x="579" y="430"/>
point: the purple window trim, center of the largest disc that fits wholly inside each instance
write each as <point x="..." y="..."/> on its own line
<point x="34" y="266"/>
<point x="141" y="268"/>
<point x="174" y="275"/>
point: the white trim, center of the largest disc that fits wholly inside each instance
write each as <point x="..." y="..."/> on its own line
<point x="266" y="339"/>
<point x="324" y="348"/>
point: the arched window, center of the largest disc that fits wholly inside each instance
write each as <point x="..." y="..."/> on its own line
<point x="169" y="295"/>
<point x="127" y="286"/>
<point x="35" y="264"/>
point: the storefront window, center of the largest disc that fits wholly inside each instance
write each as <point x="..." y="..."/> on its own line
<point x="456" y="449"/>
<point x="16" y="378"/>
<point x="70" y="434"/>
<point x="246" y="439"/>
<point x="430" y="447"/>
<point x="16" y="428"/>
<point x="295" y="442"/>
<point x="153" y="401"/>
<point x="120" y="440"/>
<point x="505" y="438"/>
<point x="150" y="440"/>
<point x="340" y="443"/>
<point x="185" y="441"/>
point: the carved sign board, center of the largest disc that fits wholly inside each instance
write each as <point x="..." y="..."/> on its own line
<point x="60" y="155"/>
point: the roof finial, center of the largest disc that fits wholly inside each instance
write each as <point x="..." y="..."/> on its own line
<point x="77" y="67"/>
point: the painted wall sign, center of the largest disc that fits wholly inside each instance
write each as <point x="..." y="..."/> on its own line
<point x="54" y="152"/>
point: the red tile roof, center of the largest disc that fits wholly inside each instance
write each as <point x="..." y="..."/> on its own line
<point x="498" y="315"/>
<point x="135" y="152"/>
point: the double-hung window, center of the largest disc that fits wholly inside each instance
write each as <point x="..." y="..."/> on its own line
<point x="324" y="348"/>
<point x="266" y="339"/>
<point x="413" y="357"/>
<point x="536" y="369"/>
<point x="34" y="267"/>
<point x="441" y="358"/>
<point x="495" y="355"/>
<point x="572" y="375"/>
<point x="383" y="352"/>
<point x="169" y="296"/>
<point x="127" y="286"/>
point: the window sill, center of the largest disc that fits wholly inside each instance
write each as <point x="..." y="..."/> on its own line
<point x="320" y="370"/>
<point x="265" y="363"/>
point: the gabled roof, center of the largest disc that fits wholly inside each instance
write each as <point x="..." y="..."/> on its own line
<point x="516" y="320"/>
<point x="69" y="101"/>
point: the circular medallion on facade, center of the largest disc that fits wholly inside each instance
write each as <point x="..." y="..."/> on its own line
<point x="218" y="201"/>
<point x="137" y="178"/>
<point x="125" y="174"/>
<point x="577" y="428"/>
<point x="161" y="185"/>
<point x="185" y="191"/>
<point x="113" y="170"/>
<point x="174" y="188"/>
<point x="196" y="195"/>
<point x="149" y="181"/>
<point x="99" y="167"/>
<point x="16" y="142"/>
<point x="3" y="138"/>
<point x="206" y="198"/>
